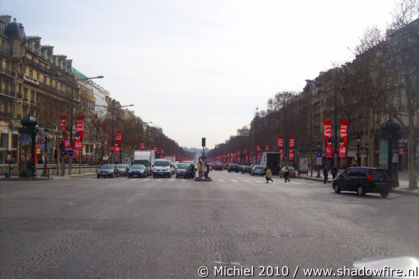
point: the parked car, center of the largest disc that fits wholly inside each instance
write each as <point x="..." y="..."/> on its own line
<point x="291" y="170"/>
<point x="246" y="169"/>
<point x="162" y="168"/>
<point x="363" y="180"/>
<point x="122" y="169"/>
<point x="219" y="166"/>
<point x="233" y="167"/>
<point x="181" y="169"/>
<point x="138" y="170"/>
<point x="257" y="170"/>
<point x="107" y="170"/>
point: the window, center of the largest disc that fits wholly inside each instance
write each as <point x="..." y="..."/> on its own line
<point x="4" y="140"/>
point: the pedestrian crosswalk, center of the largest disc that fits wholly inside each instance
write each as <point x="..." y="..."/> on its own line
<point x="253" y="181"/>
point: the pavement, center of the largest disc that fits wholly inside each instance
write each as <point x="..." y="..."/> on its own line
<point x="403" y="182"/>
<point x="86" y="227"/>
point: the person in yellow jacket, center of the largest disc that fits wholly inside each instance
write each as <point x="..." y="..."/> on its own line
<point x="269" y="175"/>
<point x="200" y="170"/>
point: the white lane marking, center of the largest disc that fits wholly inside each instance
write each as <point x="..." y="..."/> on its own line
<point x="172" y="179"/>
<point x="221" y="180"/>
<point x="246" y="181"/>
<point x="235" y="181"/>
<point x="146" y="179"/>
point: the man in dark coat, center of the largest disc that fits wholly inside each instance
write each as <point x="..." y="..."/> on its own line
<point x="325" y="174"/>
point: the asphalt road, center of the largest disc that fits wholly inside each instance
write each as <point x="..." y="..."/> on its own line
<point x="168" y="228"/>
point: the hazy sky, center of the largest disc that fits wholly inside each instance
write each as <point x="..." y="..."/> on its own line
<point x="200" y="68"/>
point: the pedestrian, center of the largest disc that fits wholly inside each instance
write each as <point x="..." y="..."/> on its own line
<point x="269" y="175"/>
<point x="325" y="174"/>
<point x="200" y="169"/>
<point x="287" y="174"/>
<point x="205" y="169"/>
<point x="334" y="172"/>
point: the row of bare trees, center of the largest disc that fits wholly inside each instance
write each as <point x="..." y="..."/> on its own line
<point x="381" y="82"/>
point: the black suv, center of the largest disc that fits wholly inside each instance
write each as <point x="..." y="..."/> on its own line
<point x="233" y="167"/>
<point x="363" y="180"/>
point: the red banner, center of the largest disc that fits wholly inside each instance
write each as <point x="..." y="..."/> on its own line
<point x="67" y="144"/>
<point x="62" y="123"/>
<point x="343" y="138"/>
<point x="258" y="149"/>
<point x="238" y="155"/>
<point x="282" y="154"/>
<point x="291" y="155"/>
<point x="266" y="147"/>
<point x="80" y="126"/>
<point x="118" y="137"/>
<point x="141" y="145"/>
<point x="280" y="142"/>
<point x="161" y="153"/>
<point x="77" y="144"/>
<point x="116" y="148"/>
<point x="327" y="125"/>
<point x="258" y="157"/>
<point x="292" y="142"/>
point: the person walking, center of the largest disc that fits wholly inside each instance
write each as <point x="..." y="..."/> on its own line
<point x="287" y="174"/>
<point x="205" y="169"/>
<point x="269" y="175"/>
<point x="200" y="170"/>
<point x="325" y="174"/>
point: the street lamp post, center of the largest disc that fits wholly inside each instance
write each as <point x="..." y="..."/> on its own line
<point x="358" y="156"/>
<point x="318" y="166"/>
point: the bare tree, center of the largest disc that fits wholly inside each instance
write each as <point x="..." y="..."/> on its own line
<point x="404" y="44"/>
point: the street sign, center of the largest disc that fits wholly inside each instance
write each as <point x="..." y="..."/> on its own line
<point x="319" y="158"/>
<point x="70" y="153"/>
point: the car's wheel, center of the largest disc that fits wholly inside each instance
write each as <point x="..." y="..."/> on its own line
<point x="360" y="191"/>
<point x="336" y="188"/>
<point x="385" y="193"/>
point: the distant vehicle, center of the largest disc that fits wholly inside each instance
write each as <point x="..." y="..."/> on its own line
<point x="257" y="170"/>
<point x="292" y="172"/>
<point x="181" y="169"/>
<point x="363" y="180"/>
<point x="137" y="171"/>
<point x="144" y="157"/>
<point x="245" y="169"/>
<point x="233" y="167"/>
<point x="162" y="168"/>
<point x="219" y="165"/>
<point x="271" y="160"/>
<point x="107" y="170"/>
<point x="122" y="169"/>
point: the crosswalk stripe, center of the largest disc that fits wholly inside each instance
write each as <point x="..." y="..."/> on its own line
<point x="235" y="181"/>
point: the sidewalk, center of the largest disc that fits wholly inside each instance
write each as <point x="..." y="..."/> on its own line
<point x="52" y="177"/>
<point x="402" y="189"/>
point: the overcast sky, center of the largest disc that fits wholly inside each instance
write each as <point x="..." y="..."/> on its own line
<point x="199" y="68"/>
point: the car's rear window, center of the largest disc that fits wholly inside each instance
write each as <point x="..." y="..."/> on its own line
<point x="378" y="174"/>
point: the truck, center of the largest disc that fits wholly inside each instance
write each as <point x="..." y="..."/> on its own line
<point x="271" y="160"/>
<point x="144" y="157"/>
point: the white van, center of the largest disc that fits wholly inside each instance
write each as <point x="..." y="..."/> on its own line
<point x="162" y="168"/>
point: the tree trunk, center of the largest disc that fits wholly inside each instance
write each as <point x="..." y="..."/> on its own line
<point x="411" y="148"/>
